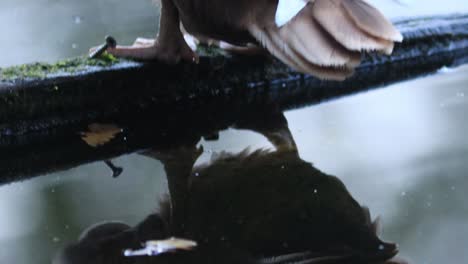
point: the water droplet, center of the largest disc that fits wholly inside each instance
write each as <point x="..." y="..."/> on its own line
<point x="452" y="188"/>
<point x="197" y="174"/>
<point x="460" y="94"/>
<point x="55" y="239"/>
<point x="381" y="247"/>
<point x="67" y="227"/>
<point x="282" y="166"/>
<point x="74" y="46"/>
<point x="52" y="190"/>
<point x="77" y="19"/>
<point x="283" y="85"/>
<point x="403" y="193"/>
<point x="315" y="191"/>
<point x="125" y="138"/>
<point x="429" y="204"/>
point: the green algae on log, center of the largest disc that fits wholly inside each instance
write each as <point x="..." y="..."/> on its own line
<point x="40" y="70"/>
<point x="78" y="65"/>
<point x="82" y="89"/>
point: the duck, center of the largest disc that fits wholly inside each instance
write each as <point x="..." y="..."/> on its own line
<point x="252" y="207"/>
<point x="323" y="38"/>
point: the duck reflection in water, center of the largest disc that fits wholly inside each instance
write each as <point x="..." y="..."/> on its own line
<point x="258" y="207"/>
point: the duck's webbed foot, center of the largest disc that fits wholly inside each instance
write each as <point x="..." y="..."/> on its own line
<point x="169" y="47"/>
<point x="249" y="50"/>
<point x="144" y="42"/>
<point x="178" y="163"/>
<point x="145" y="50"/>
<point x="271" y="123"/>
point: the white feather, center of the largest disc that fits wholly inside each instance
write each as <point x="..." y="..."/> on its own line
<point x="287" y="9"/>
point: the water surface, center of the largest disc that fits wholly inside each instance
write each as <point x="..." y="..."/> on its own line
<point x="400" y="150"/>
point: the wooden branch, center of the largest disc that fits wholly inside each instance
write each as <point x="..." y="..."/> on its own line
<point x="160" y="106"/>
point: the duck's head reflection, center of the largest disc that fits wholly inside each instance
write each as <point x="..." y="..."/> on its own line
<point x="265" y="207"/>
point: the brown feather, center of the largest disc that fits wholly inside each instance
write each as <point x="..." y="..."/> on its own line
<point x="306" y="66"/>
<point x="308" y="38"/>
<point x="271" y="40"/>
<point x="265" y="40"/>
<point x="371" y="20"/>
<point x="332" y="16"/>
<point x="326" y="37"/>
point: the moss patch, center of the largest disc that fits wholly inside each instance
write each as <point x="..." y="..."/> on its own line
<point x="40" y="70"/>
<point x="209" y="50"/>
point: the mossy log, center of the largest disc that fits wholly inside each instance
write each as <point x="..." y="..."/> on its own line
<point x="43" y="111"/>
<point x="84" y="88"/>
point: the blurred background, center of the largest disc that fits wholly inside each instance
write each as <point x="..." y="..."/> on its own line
<point x="47" y="30"/>
<point x="401" y="150"/>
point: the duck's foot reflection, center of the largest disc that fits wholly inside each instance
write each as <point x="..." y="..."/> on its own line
<point x="178" y="164"/>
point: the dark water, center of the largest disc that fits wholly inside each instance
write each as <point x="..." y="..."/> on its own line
<point x="401" y="150"/>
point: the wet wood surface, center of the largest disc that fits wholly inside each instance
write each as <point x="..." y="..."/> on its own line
<point x="158" y="106"/>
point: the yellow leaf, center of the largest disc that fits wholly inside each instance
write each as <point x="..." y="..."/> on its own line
<point x="157" y="247"/>
<point x="100" y="134"/>
<point x="172" y="243"/>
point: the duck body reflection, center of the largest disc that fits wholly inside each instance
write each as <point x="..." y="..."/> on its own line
<point x="262" y="207"/>
<point x="274" y="203"/>
<point x="259" y="207"/>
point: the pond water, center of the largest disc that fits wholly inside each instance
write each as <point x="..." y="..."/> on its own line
<point x="401" y="150"/>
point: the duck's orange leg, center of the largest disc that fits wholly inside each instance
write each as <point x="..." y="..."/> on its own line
<point x="169" y="47"/>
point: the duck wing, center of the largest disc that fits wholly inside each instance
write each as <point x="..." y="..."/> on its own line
<point x="326" y="37"/>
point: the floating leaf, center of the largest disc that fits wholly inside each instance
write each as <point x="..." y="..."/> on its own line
<point x="172" y="243"/>
<point x="157" y="247"/>
<point x="100" y="134"/>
